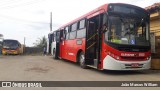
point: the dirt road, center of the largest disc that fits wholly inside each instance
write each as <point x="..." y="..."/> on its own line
<point x="44" y="68"/>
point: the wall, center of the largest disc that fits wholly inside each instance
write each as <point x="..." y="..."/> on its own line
<point x="155" y="28"/>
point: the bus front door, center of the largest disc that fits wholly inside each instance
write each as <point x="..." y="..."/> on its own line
<point x="92" y="53"/>
<point x="59" y="45"/>
<point x="62" y="46"/>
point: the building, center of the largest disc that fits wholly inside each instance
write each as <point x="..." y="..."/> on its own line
<point x="154" y="11"/>
<point x="1" y="41"/>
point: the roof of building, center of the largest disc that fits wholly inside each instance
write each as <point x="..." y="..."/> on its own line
<point x="153" y="8"/>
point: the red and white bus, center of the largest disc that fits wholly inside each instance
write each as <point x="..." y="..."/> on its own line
<point x="114" y="36"/>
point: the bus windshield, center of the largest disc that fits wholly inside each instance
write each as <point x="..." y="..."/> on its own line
<point x="10" y="44"/>
<point x="123" y="30"/>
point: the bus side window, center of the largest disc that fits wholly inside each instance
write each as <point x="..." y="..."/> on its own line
<point x="73" y="31"/>
<point x="81" y="32"/>
<point x="53" y="37"/>
<point x="74" y="27"/>
<point x="82" y="24"/>
<point x="58" y="36"/>
<point x="66" y="33"/>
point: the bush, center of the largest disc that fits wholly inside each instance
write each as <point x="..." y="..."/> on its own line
<point x="156" y="56"/>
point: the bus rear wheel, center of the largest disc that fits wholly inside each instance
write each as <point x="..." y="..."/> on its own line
<point x="82" y="60"/>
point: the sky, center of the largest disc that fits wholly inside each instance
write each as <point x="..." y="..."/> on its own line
<point x="31" y="18"/>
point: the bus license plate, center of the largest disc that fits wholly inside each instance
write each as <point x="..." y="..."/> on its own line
<point x="134" y="65"/>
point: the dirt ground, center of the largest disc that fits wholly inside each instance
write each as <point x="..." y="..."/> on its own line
<point x="44" y="68"/>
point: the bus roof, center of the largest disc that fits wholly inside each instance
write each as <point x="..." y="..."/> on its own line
<point x="10" y="40"/>
<point x="90" y="14"/>
<point x="86" y="15"/>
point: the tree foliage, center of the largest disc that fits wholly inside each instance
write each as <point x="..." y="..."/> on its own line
<point x="41" y="42"/>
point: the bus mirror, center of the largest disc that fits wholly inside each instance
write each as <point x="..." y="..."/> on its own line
<point x="104" y="29"/>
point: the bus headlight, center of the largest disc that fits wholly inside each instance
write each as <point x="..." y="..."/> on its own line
<point x="148" y="57"/>
<point x="113" y="55"/>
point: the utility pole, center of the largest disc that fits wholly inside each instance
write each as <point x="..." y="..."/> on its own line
<point x="23" y="50"/>
<point x="51" y="21"/>
<point x="24" y="41"/>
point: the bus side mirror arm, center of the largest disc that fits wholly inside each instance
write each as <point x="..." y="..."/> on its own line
<point x="105" y="29"/>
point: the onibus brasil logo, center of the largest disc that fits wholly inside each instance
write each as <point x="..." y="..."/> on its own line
<point x="21" y="84"/>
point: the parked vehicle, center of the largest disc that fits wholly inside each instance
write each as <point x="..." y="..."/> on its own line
<point x="12" y="47"/>
<point x="114" y="36"/>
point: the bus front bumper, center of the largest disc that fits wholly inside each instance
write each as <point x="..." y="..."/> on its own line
<point x="110" y="63"/>
<point x="4" y="52"/>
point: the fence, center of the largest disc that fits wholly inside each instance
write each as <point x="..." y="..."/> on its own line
<point x="33" y="50"/>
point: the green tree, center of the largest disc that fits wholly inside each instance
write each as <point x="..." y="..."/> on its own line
<point x="41" y="42"/>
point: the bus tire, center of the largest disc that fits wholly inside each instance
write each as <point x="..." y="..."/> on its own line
<point x="82" y="60"/>
<point x="55" y="54"/>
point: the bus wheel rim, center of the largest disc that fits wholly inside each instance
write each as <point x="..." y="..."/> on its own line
<point x="82" y="59"/>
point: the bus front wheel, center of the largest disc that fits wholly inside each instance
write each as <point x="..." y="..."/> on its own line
<point x="82" y="60"/>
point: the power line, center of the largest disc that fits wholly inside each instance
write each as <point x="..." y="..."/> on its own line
<point x="22" y="20"/>
<point x="20" y="4"/>
<point x="28" y="22"/>
<point x="17" y="2"/>
<point x="7" y="2"/>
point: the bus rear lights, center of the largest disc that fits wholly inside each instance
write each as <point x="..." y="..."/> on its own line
<point x="113" y="55"/>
